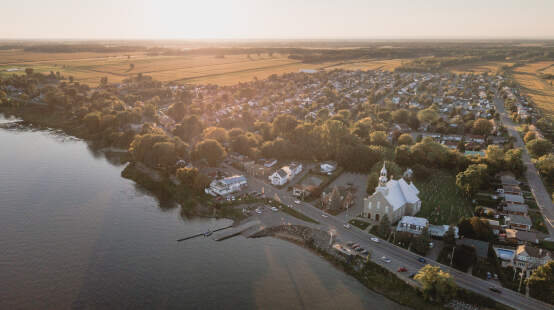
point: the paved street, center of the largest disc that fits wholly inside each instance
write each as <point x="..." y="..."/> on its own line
<point x="399" y="257"/>
<point x="533" y="178"/>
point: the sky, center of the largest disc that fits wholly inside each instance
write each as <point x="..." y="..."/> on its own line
<point x="282" y="19"/>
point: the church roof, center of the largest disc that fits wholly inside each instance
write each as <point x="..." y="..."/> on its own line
<point x="399" y="192"/>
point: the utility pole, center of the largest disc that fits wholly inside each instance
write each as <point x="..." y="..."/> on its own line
<point x="452" y="255"/>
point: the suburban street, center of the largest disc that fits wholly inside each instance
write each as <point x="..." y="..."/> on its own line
<point x="533" y="178"/>
<point x="399" y="257"/>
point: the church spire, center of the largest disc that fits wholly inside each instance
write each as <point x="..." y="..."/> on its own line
<point x="383" y="178"/>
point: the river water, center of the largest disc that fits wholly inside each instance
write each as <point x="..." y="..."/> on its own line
<point x="75" y="234"/>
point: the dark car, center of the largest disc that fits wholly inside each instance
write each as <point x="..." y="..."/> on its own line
<point x="494" y="289"/>
<point x="421" y="260"/>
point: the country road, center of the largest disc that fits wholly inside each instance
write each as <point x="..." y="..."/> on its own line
<point x="540" y="193"/>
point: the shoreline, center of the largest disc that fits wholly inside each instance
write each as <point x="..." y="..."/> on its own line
<point x="371" y="275"/>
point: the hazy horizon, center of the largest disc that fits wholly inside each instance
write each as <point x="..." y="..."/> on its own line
<point x="277" y="20"/>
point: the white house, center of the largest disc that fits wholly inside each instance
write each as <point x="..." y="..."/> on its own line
<point x="529" y="257"/>
<point x="285" y="174"/>
<point x="227" y="186"/>
<point x="328" y="167"/>
<point x="395" y="198"/>
<point x="413" y="225"/>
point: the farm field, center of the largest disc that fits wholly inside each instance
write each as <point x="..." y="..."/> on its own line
<point x="540" y="91"/>
<point x="491" y="67"/>
<point x="90" y="67"/>
<point x="442" y="202"/>
<point x="385" y="65"/>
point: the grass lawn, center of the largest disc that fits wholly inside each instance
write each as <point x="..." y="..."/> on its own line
<point x="360" y="224"/>
<point x="297" y="214"/>
<point x="442" y="202"/>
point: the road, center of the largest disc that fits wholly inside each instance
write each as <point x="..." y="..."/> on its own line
<point x="399" y="257"/>
<point x="533" y="178"/>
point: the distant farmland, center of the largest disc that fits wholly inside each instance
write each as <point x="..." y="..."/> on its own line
<point x="541" y="91"/>
<point x="90" y="67"/>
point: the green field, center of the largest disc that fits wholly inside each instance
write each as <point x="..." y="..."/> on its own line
<point x="442" y="202"/>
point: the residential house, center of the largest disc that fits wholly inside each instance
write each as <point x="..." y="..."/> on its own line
<point x="412" y="225"/>
<point x="285" y="174"/>
<point x="520" y="236"/>
<point x="494" y="226"/>
<point x="529" y="257"/>
<point x="227" y="185"/>
<point x="481" y="247"/>
<point x="328" y="167"/>
<point x="518" y="222"/>
<point x="395" y="198"/>
<point x="516" y="209"/>
<point x="438" y="231"/>
<point x="514" y="199"/>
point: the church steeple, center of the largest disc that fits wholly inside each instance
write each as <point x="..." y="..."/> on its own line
<point x="383" y="177"/>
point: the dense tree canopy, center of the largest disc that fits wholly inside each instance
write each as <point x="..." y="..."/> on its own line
<point x="438" y="286"/>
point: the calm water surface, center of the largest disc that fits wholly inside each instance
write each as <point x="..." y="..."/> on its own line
<point x="75" y="234"/>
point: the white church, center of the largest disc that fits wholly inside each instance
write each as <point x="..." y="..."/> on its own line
<point x="395" y="198"/>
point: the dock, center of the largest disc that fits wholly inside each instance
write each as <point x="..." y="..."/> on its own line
<point x="204" y="233"/>
<point x="249" y="228"/>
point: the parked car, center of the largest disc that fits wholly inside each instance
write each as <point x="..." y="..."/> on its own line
<point x="324" y="215"/>
<point x="258" y="211"/>
<point x="297" y="202"/>
<point x="421" y="260"/>
<point x="364" y="252"/>
<point x="274" y="209"/>
<point x="347" y="226"/>
<point x="374" y="239"/>
<point x="494" y="289"/>
<point x="402" y="269"/>
<point x="489" y="275"/>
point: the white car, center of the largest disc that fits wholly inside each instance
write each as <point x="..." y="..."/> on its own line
<point x="324" y="215"/>
<point x="274" y="209"/>
<point x="374" y="239"/>
<point x="347" y="226"/>
<point x="385" y="259"/>
<point x="297" y="202"/>
<point x="258" y="211"/>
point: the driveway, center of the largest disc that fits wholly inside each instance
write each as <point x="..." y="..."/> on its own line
<point x="533" y="178"/>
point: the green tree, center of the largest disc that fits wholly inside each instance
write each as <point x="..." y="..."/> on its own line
<point x="438" y="286"/>
<point x="482" y="126"/>
<point x="190" y="127"/>
<point x="284" y="124"/>
<point x="495" y="157"/>
<point x="450" y="237"/>
<point x="421" y="243"/>
<point x="428" y="116"/>
<point x="541" y="283"/>
<point x="210" y="150"/>
<point x="405" y="139"/>
<point x="530" y="135"/>
<point x="187" y="175"/>
<point x="545" y="165"/>
<point x="379" y="138"/>
<point x="216" y="133"/>
<point x="513" y="161"/>
<point x="539" y="147"/>
<point x="400" y="116"/>
<point x="384" y="228"/>
<point x="372" y="182"/>
<point x="472" y="179"/>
